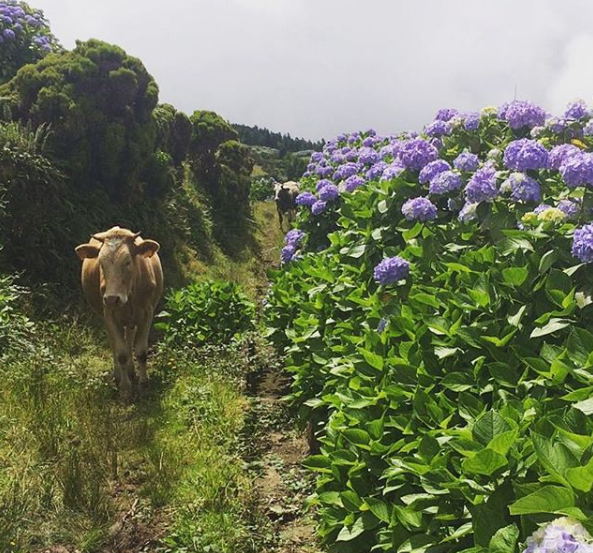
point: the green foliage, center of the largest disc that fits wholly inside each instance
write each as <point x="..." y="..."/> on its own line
<point x="467" y="421"/>
<point x="15" y="328"/>
<point x="99" y="102"/>
<point x="174" y="132"/>
<point x="256" y="136"/>
<point x="206" y="312"/>
<point x="262" y="189"/>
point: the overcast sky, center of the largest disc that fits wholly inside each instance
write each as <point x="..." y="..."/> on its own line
<point x="316" y="68"/>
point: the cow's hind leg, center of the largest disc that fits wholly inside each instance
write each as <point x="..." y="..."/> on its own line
<point x="280" y="218"/>
<point x="141" y="346"/>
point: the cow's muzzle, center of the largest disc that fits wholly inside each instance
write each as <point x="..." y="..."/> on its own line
<point x="113" y="301"/>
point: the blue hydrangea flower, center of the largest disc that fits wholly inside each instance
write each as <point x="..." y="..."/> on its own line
<point x="446" y="114"/>
<point x="382" y="325"/>
<point x="471" y="121"/>
<point x="324" y="172"/>
<point x="438" y="128"/>
<point x="328" y="193"/>
<point x="294" y="237"/>
<point x="467" y="162"/>
<point x="392" y="171"/>
<point x="368" y="156"/>
<point x="390" y="270"/>
<point x="576" y="110"/>
<point x="558" y="154"/>
<point x="419" y="209"/>
<point x="522" y="188"/>
<point x="563" y="535"/>
<point x="417" y="153"/>
<point x="582" y="245"/>
<point x="445" y="182"/>
<point x="306" y="199"/>
<point x="316" y="157"/>
<point x="431" y="170"/>
<point x="346" y="170"/>
<point x="318" y="207"/>
<point x="482" y="185"/>
<point x="571" y="207"/>
<point x="352" y="183"/>
<point x="321" y="183"/>
<point x="287" y="253"/>
<point x="577" y="169"/>
<point x="376" y="170"/>
<point x="525" y="154"/>
<point x="520" y="113"/>
<point x="8" y="34"/>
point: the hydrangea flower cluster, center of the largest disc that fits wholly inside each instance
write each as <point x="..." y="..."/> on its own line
<point x="577" y="169"/>
<point x="582" y="245"/>
<point x="293" y="240"/>
<point x="467" y="162"/>
<point x="19" y="23"/>
<point x="444" y="182"/>
<point x="419" y="209"/>
<point x="525" y="154"/>
<point x="390" y="270"/>
<point x="563" y="535"/>
<point x="519" y="114"/>
<point x="482" y="185"/>
<point x="522" y="188"/>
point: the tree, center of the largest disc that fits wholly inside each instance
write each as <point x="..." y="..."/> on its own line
<point x="99" y="102"/>
<point x="174" y="132"/>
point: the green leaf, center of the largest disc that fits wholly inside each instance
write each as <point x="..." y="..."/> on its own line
<point x="485" y="462"/>
<point x="349" y="533"/>
<point x="553" y="455"/>
<point x="585" y="406"/>
<point x="553" y="326"/>
<point x="581" y="478"/>
<point x="317" y="463"/>
<point x="379" y="508"/>
<point x="488" y="426"/>
<point x="515" y="276"/>
<point x="505" y="540"/>
<point x="548" y="499"/>
<point x="374" y="360"/>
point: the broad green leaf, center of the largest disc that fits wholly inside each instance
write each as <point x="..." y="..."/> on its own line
<point x="548" y="499"/>
<point x="484" y="462"/>
<point x="348" y="533"/>
<point x="553" y="326"/>
<point x="505" y="540"/>
<point x="379" y="508"/>
<point x="515" y="276"/>
<point x="491" y="424"/>
<point x="581" y="478"/>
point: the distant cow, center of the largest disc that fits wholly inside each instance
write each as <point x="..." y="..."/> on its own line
<point x="122" y="279"/>
<point x="285" y="198"/>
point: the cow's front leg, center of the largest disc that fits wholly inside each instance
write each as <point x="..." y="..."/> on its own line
<point x="279" y="216"/>
<point x="141" y="345"/>
<point x="122" y="353"/>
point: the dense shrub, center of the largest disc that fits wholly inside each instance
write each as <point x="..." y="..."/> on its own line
<point x="174" y="131"/>
<point x="15" y="327"/>
<point x="99" y="102"/>
<point x="262" y="189"/>
<point x="453" y="403"/>
<point x="206" y="312"/>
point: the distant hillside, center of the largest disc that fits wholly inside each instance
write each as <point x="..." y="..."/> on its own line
<point x="284" y="143"/>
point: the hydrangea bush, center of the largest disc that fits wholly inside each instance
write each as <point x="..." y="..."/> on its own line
<point x="25" y="37"/>
<point x="437" y="319"/>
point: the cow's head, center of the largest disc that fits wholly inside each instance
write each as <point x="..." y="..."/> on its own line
<point x="278" y="187"/>
<point x="117" y="251"/>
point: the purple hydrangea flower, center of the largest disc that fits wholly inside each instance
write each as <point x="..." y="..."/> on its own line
<point x="482" y="185"/>
<point x="376" y="170"/>
<point x="525" y="154"/>
<point x="346" y="170"/>
<point x="571" y="207"/>
<point x="306" y="199"/>
<point x="392" y="171"/>
<point x="318" y="207"/>
<point x="390" y="270"/>
<point x="321" y="183"/>
<point x="324" y="172"/>
<point x="338" y="157"/>
<point x="520" y="113"/>
<point x="382" y="325"/>
<point x="582" y="245"/>
<point x="588" y="128"/>
<point x="419" y="209"/>
<point x="563" y="535"/>
<point x="446" y="114"/>
<point x="438" y="128"/>
<point x="522" y="188"/>
<point x="288" y="253"/>
<point x="316" y="157"/>
<point x="328" y="193"/>
<point x="471" y="121"/>
<point x="432" y="170"/>
<point x="417" y="153"/>
<point x="558" y="154"/>
<point x="444" y="182"/>
<point x="8" y="34"/>
<point x="353" y="182"/>
<point x="577" y="169"/>
<point x="294" y="237"/>
<point x="368" y="156"/>
<point x="467" y="162"/>
<point x="555" y="124"/>
<point x="576" y="110"/>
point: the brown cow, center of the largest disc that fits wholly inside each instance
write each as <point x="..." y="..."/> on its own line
<point x="285" y="198"/>
<point x="122" y="279"/>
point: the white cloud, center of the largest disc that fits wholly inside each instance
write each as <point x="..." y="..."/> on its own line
<point x="575" y="78"/>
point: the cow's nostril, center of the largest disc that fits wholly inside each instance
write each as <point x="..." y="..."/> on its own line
<point x="111" y="300"/>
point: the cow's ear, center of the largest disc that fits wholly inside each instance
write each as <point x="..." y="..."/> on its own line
<point x="147" y="248"/>
<point x="87" y="251"/>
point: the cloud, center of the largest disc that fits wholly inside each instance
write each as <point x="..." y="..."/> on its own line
<point x="575" y="78"/>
